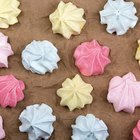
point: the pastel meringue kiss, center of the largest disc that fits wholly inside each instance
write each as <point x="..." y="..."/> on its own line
<point x="40" y="57"/>
<point x="136" y="131"/>
<point x="75" y="93"/>
<point x="124" y="93"/>
<point x="8" y="12"/>
<point x="119" y="16"/>
<point x="91" y="58"/>
<point x="67" y="19"/>
<point x="2" y="132"/>
<point x="37" y="121"/>
<point x="89" y="128"/>
<point x="11" y="91"/>
<point x="137" y="56"/>
<point x="5" y="50"/>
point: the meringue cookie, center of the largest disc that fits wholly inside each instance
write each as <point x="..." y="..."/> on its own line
<point x="137" y="56"/>
<point x="5" y="50"/>
<point x="67" y="19"/>
<point x="8" y="12"/>
<point x="75" y="93"/>
<point x="119" y="16"/>
<point x="124" y="93"/>
<point x="10" y="91"/>
<point x="91" y="58"/>
<point x="40" y="57"/>
<point x="2" y="132"/>
<point x="37" y="121"/>
<point x="136" y="132"/>
<point x="89" y="128"/>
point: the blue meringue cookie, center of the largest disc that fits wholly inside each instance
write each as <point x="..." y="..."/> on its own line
<point x="37" y="121"/>
<point x="89" y="128"/>
<point x="40" y="57"/>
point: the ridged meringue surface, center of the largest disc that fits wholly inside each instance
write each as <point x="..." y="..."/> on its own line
<point x="11" y="91"/>
<point x="40" y="57"/>
<point x="89" y="128"/>
<point x="136" y="132"/>
<point x="5" y="50"/>
<point x="8" y="12"/>
<point x="2" y="132"/>
<point x="91" y="58"/>
<point x="124" y="93"/>
<point x="67" y="19"/>
<point x="37" y="121"/>
<point x="137" y="56"/>
<point x="119" y="16"/>
<point x="75" y="93"/>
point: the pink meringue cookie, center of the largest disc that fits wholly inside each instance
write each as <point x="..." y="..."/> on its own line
<point x="136" y="132"/>
<point x="91" y="58"/>
<point x="124" y="93"/>
<point x="2" y="132"/>
<point x="10" y="91"/>
<point x="5" y="50"/>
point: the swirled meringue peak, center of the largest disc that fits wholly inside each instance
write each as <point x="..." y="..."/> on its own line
<point x="124" y="93"/>
<point x="2" y="132"/>
<point x="119" y="16"/>
<point x="40" y="57"/>
<point x="8" y="12"/>
<point x="11" y="91"/>
<point x="37" y="121"/>
<point x="137" y="56"/>
<point x="136" y="132"/>
<point x="89" y="128"/>
<point x="91" y="58"/>
<point x="67" y="19"/>
<point x="5" y="50"/>
<point x="75" y="93"/>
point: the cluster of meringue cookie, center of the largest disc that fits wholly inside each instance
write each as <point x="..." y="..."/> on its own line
<point x="119" y="16"/>
<point x="37" y="120"/>
<point x="91" y="58"/>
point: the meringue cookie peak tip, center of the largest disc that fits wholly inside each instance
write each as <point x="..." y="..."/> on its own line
<point x="67" y="19"/>
<point x="75" y="93"/>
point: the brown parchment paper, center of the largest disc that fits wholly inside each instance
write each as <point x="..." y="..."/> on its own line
<point x="34" y="24"/>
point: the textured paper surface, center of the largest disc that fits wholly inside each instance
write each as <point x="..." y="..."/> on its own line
<point x="34" y="24"/>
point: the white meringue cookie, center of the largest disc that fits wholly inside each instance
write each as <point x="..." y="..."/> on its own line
<point x="37" y="120"/>
<point x="40" y="57"/>
<point x="89" y="128"/>
<point x="119" y="16"/>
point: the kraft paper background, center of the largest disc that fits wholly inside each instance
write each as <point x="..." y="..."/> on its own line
<point x="34" y="24"/>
